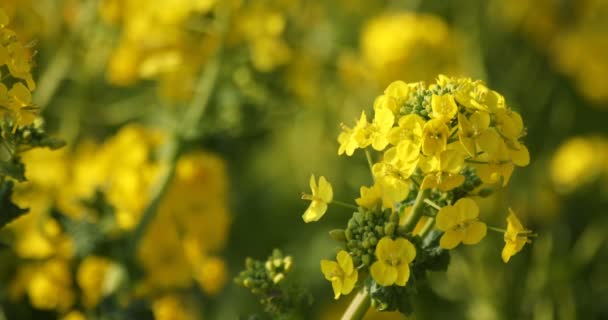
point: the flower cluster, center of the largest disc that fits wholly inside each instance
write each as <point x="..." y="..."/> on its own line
<point x="440" y="146"/>
<point x="83" y="202"/>
<point x="16" y="102"/>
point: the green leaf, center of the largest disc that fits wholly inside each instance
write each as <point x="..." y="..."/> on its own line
<point x="8" y="210"/>
<point x="13" y="168"/>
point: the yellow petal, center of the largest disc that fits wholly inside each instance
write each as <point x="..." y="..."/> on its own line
<point x="451" y="239"/>
<point x="404" y="248"/>
<point x="467" y="209"/>
<point x="315" y="211"/>
<point x="403" y="274"/>
<point x="345" y="262"/>
<point x="474" y="233"/>
<point x="329" y="269"/>
<point x="325" y="190"/>
<point x="383" y="274"/>
<point x="336" y="285"/>
<point x="349" y="283"/>
<point x="446" y="218"/>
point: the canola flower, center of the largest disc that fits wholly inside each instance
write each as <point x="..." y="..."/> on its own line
<point x="431" y="151"/>
<point x="181" y="248"/>
<point x="516" y="236"/>
<point x="322" y="194"/>
<point x="342" y="273"/>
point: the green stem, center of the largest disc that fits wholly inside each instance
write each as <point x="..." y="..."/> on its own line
<point x="370" y="162"/>
<point x="358" y="307"/>
<point x="432" y="204"/>
<point x="428" y="226"/>
<point x="412" y="219"/>
<point x="344" y="204"/>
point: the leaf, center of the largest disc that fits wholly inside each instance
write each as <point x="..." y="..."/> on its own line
<point x="14" y="168"/>
<point x="8" y="210"/>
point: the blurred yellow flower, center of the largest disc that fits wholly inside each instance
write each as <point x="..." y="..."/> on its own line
<point x="392" y="46"/>
<point x="172" y="307"/>
<point x="516" y="236"/>
<point x="91" y="278"/>
<point x="460" y="223"/>
<point x="394" y="257"/>
<point x="51" y="286"/>
<point x="321" y="196"/>
<point x="342" y="274"/>
<point x="578" y="161"/>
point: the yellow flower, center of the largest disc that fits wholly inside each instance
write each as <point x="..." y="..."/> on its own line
<point x="496" y="166"/>
<point x="516" y="237"/>
<point x="399" y="91"/>
<point x="22" y="109"/>
<point x="444" y="107"/>
<point x="51" y="286"/>
<point x="442" y="171"/>
<point x="394" y="257"/>
<point x="172" y="307"/>
<point x="460" y="223"/>
<point x="386" y="102"/>
<point x="475" y="135"/>
<point x="74" y="315"/>
<point x="407" y="136"/>
<point x="370" y="197"/>
<point x="342" y="274"/>
<point x="321" y="196"/>
<point x="509" y="123"/>
<point x="211" y="275"/>
<point x="434" y="137"/>
<point x="392" y="176"/>
<point x="91" y="278"/>
<point x="348" y="145"/>
<point x="352" y="139"/>
<point x="375" y="133"/>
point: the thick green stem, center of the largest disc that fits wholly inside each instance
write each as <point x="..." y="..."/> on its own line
<point x="358" y="307"/>
<point x="412" y="219"/>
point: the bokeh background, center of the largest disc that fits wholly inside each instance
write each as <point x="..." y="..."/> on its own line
<point x="273" y="80"/>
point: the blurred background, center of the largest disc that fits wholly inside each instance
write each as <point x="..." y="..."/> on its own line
<point x="259" y="89"/>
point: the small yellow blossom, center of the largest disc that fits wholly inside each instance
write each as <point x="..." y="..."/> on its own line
<point x="392" y="176"/>
<point x="321" y="196"/>
<point x="460" y="223"/>
<point x="394" y="257"/>
<point x="375" y="133"/>
<point x="444" y="107"/>
<point x="509" y="123"/>
<point x="495" y="167"/>
<point x="407" y="136"/>
<point x="386" y="102"/>
<point x="516" y="237"/>
<point x="342" y="274"/>
<point x="399" y="91"/>
<point x="475" y="133"/>
<point x="442" y="171"/>
<point x="434" y="137"/>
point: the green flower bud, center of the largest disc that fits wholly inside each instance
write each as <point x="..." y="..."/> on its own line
<point x="338" y="235"/>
